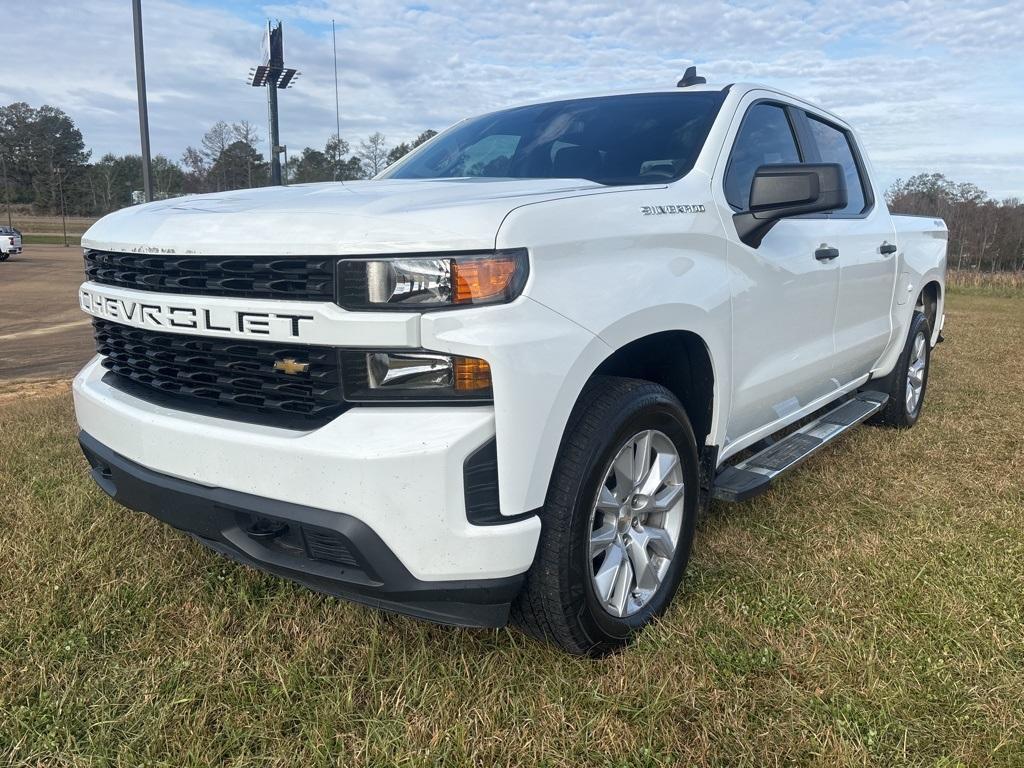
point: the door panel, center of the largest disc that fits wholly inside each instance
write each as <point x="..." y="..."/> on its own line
<point x="784" y="303"/>
<point x="866" y="275"/>
<point x="866" y="282"/>
<point x="783" y="298"/>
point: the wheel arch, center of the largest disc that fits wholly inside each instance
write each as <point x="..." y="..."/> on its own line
<point x="929" y="301"/>
<point x="678" y="360"/>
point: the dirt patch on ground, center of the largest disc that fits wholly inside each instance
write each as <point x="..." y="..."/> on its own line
<point x="11" y="391"/>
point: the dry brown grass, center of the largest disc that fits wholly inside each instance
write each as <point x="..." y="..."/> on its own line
<point x="868" y="611"/>
<point x="21" y="390"/>
<point x="51" y="225"/>
<point x="993" y="283"/>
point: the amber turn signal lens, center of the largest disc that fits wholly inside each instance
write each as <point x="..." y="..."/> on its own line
<point x="482" y="279"/>
<point x="472" y="374"/>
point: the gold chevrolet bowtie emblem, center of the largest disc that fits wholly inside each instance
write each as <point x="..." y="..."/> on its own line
<point x="290" y="366"/>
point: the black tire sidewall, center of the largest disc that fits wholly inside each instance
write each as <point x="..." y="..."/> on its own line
<point x="652" y="411"/>
<point x="919" y="324"/>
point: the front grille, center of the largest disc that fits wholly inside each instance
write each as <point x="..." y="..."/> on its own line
<point x="248" y="277"/>
<point x="238" y="376"/>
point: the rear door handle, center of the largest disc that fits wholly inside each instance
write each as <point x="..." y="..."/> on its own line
<point x="826" y="254"/>
<point x="887" y="248"/>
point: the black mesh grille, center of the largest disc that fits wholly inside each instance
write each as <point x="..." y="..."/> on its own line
<point x="238" y="375"/>
<point x="246" y="277"/>
<point x="323" y="544"/>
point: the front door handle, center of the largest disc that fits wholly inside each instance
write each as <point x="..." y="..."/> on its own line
<point x="826" y="254"/>
<point x="887" y="249"/>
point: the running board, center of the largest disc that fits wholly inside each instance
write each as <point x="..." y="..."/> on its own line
<point x="754" y="475"/>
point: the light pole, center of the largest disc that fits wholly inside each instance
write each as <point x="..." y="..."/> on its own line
<point x="337" y="104"/>
<point x="140" y="84"/>
<point x="63" y="214"/>
<point x="275" y="149"/>
<point x="272" y="74"/>
<point x="7" y="187"/>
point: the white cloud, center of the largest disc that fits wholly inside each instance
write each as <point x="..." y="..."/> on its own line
<point x="930" y="85"/>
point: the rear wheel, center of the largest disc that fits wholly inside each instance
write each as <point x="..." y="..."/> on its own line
<point x="909" y="380"/>
<point x="618" y="522"/>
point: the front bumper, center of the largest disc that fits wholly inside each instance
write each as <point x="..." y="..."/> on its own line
<point x="323" y="550"/>
<point x="398" y="470"/>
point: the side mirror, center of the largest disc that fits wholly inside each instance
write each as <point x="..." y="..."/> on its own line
<point x="781" y="191"/>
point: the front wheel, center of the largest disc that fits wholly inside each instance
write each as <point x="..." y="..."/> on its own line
<point x="618" y="522"/>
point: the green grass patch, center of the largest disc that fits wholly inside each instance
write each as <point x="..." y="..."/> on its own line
<point x="73" y="240"/>
<point x="868" y="611"/>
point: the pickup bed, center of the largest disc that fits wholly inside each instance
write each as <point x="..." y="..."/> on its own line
<point x="501" y="379"/>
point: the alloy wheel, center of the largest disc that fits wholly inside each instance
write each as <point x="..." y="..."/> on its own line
<point x="916" y="373"/>
<point x="635" y="522"/>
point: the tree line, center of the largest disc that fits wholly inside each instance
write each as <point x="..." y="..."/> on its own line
<point x="43" y="160"/>
<point x="984" y="234"/>
<point x="44" y="163"/>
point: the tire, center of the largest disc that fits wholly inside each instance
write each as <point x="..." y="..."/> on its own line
<point x="903" y="409"/>
<point x="568" y="599"/>
<point x="4" y="256"/>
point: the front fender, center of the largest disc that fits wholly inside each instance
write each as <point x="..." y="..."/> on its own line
<point x="539" y="362"/>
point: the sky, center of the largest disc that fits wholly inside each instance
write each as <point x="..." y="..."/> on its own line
<point x="930" y="86"/>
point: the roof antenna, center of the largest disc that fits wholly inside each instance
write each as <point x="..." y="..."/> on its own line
<point x="690" y="78"/>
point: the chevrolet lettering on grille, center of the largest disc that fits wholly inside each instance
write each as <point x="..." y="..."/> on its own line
<point x="170" y="317"/>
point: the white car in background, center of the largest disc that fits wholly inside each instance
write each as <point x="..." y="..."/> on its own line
<point x="10" y="242"/>
<point x="501" y="379"/>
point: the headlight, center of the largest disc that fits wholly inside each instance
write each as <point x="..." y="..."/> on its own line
<point x="418" y="375"/>
<point x="432" y="282"/>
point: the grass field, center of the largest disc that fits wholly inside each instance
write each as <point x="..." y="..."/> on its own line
<point x="73" y="240"/>
<point x="978" y="283"/>
<point x="31" y="224"/>
<point x="869" y="611"/>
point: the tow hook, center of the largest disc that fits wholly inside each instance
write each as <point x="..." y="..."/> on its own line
<point x="265" y="529"/>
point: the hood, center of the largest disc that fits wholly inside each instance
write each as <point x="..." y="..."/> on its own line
<point x="360" y="217"/>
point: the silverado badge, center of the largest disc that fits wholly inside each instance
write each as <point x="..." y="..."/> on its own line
<point x="660" y="210"/>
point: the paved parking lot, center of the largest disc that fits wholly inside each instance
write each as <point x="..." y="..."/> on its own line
<point x="43" y="334"/>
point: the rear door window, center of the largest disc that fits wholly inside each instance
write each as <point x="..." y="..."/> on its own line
<point x="833" y="146"/>
<point x="765" y="138"/>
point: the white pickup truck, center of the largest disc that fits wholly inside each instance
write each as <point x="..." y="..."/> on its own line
<point x="501" y="379"/>
<point x="10" y="242"/>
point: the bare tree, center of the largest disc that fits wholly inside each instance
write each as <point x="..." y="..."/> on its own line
<point x="246" y="133"/>
<point x="374" y="154"/>
<point x="215" y="141"/>
<point x="196" y="169"/>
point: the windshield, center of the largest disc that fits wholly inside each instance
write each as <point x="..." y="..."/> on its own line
<point x="645" y="138"/>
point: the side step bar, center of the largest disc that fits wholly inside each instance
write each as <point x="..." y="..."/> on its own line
<point x="754" y="475"/>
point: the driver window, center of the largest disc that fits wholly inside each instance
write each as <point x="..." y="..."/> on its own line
<point x="764" y="138"/>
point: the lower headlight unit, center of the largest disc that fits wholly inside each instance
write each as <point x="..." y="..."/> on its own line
<point x="414" y="375"/>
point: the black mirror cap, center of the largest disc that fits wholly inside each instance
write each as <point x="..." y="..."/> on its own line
<point x="781" y="191"/>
